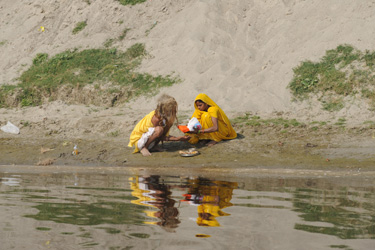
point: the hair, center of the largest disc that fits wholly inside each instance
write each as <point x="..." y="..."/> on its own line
<point x="166" y="109"/>
<point x="199" y="100"/>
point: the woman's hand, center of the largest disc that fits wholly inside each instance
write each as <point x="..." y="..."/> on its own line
<point x="195" y="131"/>
<point x="174" y="138"/>
<point x="184" y="138"/>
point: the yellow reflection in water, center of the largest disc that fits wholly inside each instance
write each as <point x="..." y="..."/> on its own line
<point x="210" y="197"/>
<point x="202" y="235"/>
<point x="152" y="192"/>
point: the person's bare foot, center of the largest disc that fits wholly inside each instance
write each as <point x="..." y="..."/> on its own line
<point x="145" y="152"/>
<point x="211" y="143"/>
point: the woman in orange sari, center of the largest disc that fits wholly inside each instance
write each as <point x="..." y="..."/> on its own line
<point x="215" y="124"/>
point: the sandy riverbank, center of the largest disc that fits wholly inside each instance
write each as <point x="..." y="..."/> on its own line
<point x="49" y="133"/>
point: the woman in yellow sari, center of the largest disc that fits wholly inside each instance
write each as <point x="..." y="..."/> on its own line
<point x="215" y="124"/>
<point x="155" y="127"/>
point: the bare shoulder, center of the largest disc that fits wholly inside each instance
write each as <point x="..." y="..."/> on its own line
<point x="155" y="120"/>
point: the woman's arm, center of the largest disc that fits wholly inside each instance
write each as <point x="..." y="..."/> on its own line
<point x="214" y="128"/>
<point x="174" y="138"/>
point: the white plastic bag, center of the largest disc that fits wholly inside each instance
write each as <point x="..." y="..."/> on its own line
<point x="10" y="128"/>
<point x="194" y="123"/>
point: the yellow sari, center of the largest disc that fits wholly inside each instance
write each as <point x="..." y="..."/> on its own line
<point x="141" y="128"/>
<point x="225" y="130"/>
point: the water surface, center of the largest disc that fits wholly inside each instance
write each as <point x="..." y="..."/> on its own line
<point x="124" y="211"/>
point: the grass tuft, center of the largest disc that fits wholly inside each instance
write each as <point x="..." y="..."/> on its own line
<point x="123" y="34"/>
<point x="256" y="121"/>
<point x="131" y="2"/>
<point x="344" y="71"/>
<point x="108" y="43"/>
<point x="75" y="69"/>
<point x="79" y="27"/>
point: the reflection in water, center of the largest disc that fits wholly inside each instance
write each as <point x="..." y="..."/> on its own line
<point x="87" y="214"/>
<point x="152" y="193"/>
<point x="210" y="197"/>
<point x="340" y="209"/>
<point x="11" y="181"/>
<point x="110" y="212"/>
<point x="79" y="211"/>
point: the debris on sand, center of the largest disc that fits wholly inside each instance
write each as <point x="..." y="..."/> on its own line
<point x="44" y="150"/>
<point x="45" y="162"/>
<point x="10" y="128"/>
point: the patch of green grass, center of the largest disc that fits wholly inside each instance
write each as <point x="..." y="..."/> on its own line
<point x="241" y="119"/>
<point x="25" y="123"/>
<point x="75" y="69"/>
<point x="123" y="34"/>
<point x="5" y="91"/>
<point x="136" y="50"/>
<point x="8" y="88"/>
<point x="114" y="90"/>
<point x="114" y="133"/>
<point x="282" y="122"/>
<point x="152" y="26"/>
<point x="3" y="42"/>
<point x="333" y="104"/>
<point x="79" y="27"/>
<point x="341" y="72"/>
<point x="255" y="121"/>
<point x="341" y="247"/>
<point x="131" y="2"/>
<point x="247" y="119"/>
<point x="40" y="58"/>
<point x="369" y="122"/>
<point x="108" y="43"/>
<point x="321" y="123"/>
<point x="340" y="122"/>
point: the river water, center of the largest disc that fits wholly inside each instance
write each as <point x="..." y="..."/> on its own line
<point x="133" y="211"/>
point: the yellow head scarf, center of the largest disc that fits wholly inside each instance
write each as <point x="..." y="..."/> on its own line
<point x="197" y="113"/>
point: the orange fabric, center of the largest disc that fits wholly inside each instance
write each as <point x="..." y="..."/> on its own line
<point x="183" y="128"/>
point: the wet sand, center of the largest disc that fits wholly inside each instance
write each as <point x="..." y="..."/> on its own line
<point x="261" y="150"/>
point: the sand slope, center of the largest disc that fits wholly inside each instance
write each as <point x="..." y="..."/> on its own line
<point x="241" y="53"/>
